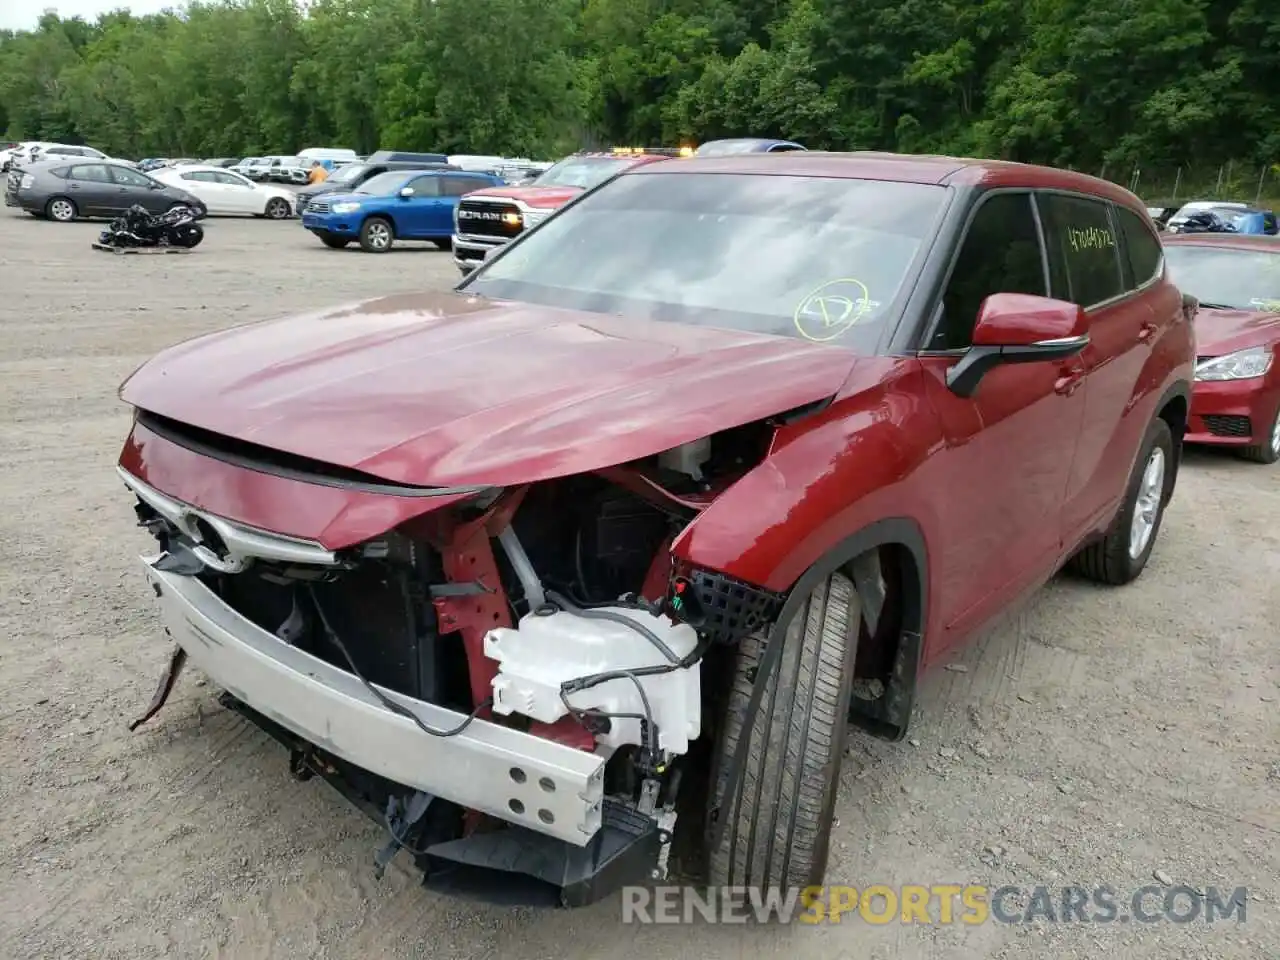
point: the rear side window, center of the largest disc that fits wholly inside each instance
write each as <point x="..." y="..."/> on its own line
<point x="425" y="186"/>
<point x="129" y="178"/>
<point x="457" y="186"/>
<point x="1000" y="254"/>
<point x="1142" y="247"/>
<point x="92" y="172"/>
<point x="1084" y="254"/>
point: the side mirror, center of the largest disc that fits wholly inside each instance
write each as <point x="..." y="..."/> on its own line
<point x="1019" y="328"/>
<point x="406" y="193"/>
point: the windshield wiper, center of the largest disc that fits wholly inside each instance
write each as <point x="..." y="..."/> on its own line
<point x="1215" y="306"/>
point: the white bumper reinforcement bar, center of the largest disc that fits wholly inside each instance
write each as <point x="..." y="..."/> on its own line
<point x="537" y="783"/>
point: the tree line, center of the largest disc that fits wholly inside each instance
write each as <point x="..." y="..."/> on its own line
<point x="1066" y="82"/>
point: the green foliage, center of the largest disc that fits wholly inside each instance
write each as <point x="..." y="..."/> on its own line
<point x="1157" y="84"/>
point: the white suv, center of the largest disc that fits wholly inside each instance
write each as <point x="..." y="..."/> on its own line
<point x="36" y="150"/>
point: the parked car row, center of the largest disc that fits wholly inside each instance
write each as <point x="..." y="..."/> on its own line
<point x="61" y="189"/>
<point x="66" y="188"/>
<point x="390" y="197"/>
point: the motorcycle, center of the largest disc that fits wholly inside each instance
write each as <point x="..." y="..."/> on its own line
<point x="175" y="227"/>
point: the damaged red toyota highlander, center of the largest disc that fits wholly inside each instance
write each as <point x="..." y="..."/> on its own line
<point x="575" y="576"/>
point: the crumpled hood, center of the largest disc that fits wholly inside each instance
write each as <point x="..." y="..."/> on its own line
<point x="1220" y="332"/>
<point x="447" y="389"/>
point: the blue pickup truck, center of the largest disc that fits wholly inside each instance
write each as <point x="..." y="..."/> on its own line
<point x="396" y="205"/>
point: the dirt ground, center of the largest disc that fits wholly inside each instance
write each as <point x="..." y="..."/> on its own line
<point x="1096" y="737"/>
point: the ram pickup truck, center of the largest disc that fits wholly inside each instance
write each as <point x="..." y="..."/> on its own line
<point x="486" y="219"/>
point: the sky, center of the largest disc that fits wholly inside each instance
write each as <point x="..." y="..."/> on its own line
<point x="23" y="14"/>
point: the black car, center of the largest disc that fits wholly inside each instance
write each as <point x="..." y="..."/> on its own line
<point x="352" y="175"/>
<point x="63" y="190"/>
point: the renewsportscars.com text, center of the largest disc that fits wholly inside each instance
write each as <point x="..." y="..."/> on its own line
<point x="934" y="904"/>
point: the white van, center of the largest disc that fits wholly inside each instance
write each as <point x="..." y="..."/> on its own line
<point x="337" y="155"/>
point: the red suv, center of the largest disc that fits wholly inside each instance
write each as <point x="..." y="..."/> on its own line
<point x="610" y="544"/>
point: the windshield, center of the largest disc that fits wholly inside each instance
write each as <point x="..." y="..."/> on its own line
<point x="582" y="172"/>
<point x="1223" y="277"/>
<point x="384" y="183"/>
<point x="348" y="174"/>
<point x="822" y="259"/>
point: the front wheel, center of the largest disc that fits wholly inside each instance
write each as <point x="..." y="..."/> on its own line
<point x="1122" y="554"/>
<point x="777" y="823"/>
<point x="376" y="235"/>
<point x="277" y="208"/>
<point x="1269" y="450"/>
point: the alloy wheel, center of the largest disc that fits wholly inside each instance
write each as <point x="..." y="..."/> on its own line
<point x="1146" y="509"/>
<point x="379" y="236"/>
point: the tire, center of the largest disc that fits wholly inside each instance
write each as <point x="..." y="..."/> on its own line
<point x="780" y="817"/>
<point x="190" y="236"/>
<point x="277" y="209"/>
<point x="332" y="242"/>
<point x="1269" y="450"/>
<point x="445" y="244"/>
<point x="377" y="235"/>
<point x="1116" y="559"/>
<point x="61" y="209"/>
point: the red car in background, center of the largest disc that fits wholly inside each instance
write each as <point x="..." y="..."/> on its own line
<point x="1236" y="279"/>
<point x="486" y="219"/>
<point x="608" y="546"/>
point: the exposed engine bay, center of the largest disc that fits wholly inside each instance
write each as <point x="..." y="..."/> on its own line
<point x="554" y="608"/>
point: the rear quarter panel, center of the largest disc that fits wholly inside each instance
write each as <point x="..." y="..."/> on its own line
<point x="1117" y="422"/>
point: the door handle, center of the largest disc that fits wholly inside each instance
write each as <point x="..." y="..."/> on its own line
<point x="1147" y="331"/>
<point x="1070" y="381"/>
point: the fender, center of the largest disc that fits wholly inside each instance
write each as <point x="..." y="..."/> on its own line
<point x="842" y="483"/>
<point x="1175" y="389"/>
<point x="827" y="477"/>
<point x="1178" y="389"/>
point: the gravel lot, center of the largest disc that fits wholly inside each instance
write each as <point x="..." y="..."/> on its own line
<point x="1096" y="737"/>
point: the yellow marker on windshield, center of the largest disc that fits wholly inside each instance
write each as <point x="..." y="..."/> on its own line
<point x="832" y="308"/>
